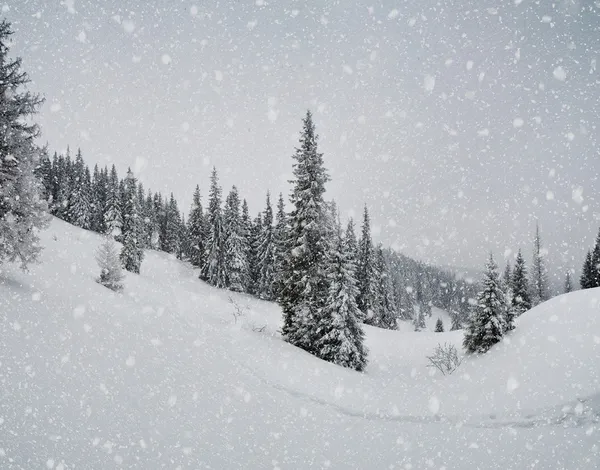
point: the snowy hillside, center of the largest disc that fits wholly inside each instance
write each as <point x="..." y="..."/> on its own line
<point x="164" y="376"/>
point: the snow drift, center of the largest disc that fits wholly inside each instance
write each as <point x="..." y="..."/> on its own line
<point x="163" y="376"/>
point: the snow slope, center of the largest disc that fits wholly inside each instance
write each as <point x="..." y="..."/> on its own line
<point x="162" y="376"/>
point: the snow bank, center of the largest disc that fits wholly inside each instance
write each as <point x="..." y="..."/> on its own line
<point x="162" y="376"/>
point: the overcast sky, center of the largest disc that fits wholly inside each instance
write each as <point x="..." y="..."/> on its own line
<point x="458" y="123"/>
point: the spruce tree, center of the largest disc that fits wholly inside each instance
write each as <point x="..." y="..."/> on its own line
<point x="520" y="286"/>
<point x="595" y="271"/>
<point x="367" y="296"/>
<point x="568" y="283"/>
<point x="171" y="236"/>
<point x="253" y="246"/>
<point x="45" y="176"/>
<point x="98" y="197"/>
<point x="507" y="276"/>
<point x="539" y="275"/>
<point x="22" y="209"/>
<point x="247" y="239"/>
<point x="387" y="316"/>
<point x="279" y="247"/>
<point x="306" y="286"/>
<point x="235" y="255"/>
<point x="339" y="332"/>
<point x="132" y="252"/>
<point x="80" y="207"/>
<point x="107" y="256"/>
<point x="266" y="255"/>
<point x="486" y="323"/>
<point x="213" y="271"/>
<point x="455" y="314"/>
<point x="113" y="219"/>
<point x="439" y="326"/>
<point x="196" y="231"/>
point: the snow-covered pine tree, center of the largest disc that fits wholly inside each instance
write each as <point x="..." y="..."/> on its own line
<point x="266" y="255"/>
<point x="213" y="271"/>
<point x="158" y="213"/>
<point x="247" y="238"/>
<point x="279" y="247"/>
<point x="585" y="281"/>
<point x="520" y="286"/>
<point x="339" y="332"/>
<point x="507" y="276"/>
<point x="235" y="253"/>
<point x="44" y="174"/>
<point x="367" y="296"/>
<point x="80" y="207"/>
<point x="64" y="186"/>
<point x="107" y="256"/>
<point x="171" y="237"/>
<point x="98" y="197"/>
<point x="539" y="275"/>
<point x="113" y="219"/>
<point x="456" y="321"/>
<point x="439" y="326"/>
<point x="423" y="306"/>
<point x="253" y="244"/>
<point x="595" y="273"/>
<point x="22" y="209"/>
<point x="568" y="283"/>
<point x="132" y="252"/>
<point x="486" y="323"/>
<point x="185" y="243"/>
<point x="196" y="230"/>
<point x="306" y="286"/>
<point x="386" y="312"/>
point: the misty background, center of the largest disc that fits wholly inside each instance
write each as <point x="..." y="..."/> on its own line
<point x="460" y="124"/>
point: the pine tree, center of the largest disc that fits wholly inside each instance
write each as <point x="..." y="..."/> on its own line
<point x="98" y="197"/>
<point x="587" y="273"/>
<point x="486" y="322"/>
<point x="568" y="283"/>
<point x="132" y="252"/>
<point x="214" y="269"/>
<point x="235" y="254"/>
<point x="185" y="241"/>
<point x="196" y="230"/>
<point x="171" y="236"/>
<point x="45" y="175"/>
<point x="247" y="233"/>
<point x="387" y="316"/>
<point x="439" y="326"/>
<point x="305" y="279"/>
<point x="595" y="273"/>
<point x="279" y="247"/>
<point x="456" y="317"/>
<point x="63" y="187"/>
<point x="113" y="219"/>
<point x="539" y="275"/>
<point x="367" y="297"/>
<point x="107" y="256"/>
<point x="253" y="246"/>
<point x="520" y="286"/>
<point x="339" y="332"/>
<point x="266" y="255"/>
<point x="507" y="276"/>
<point x="80" y="208"/>
<point x="22" y="209"/>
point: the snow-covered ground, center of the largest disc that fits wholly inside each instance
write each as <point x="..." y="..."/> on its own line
<point x="163" y="376"/>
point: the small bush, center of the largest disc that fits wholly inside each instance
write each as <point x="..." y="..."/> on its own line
<point x="111" y="274"/>
<point x="445" y="358"/>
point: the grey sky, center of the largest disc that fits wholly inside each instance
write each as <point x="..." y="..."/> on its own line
<point x="459" y="123"/>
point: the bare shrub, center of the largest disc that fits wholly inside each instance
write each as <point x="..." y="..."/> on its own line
<point x="445" y="358"/>
<point x="238" y="310"/>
